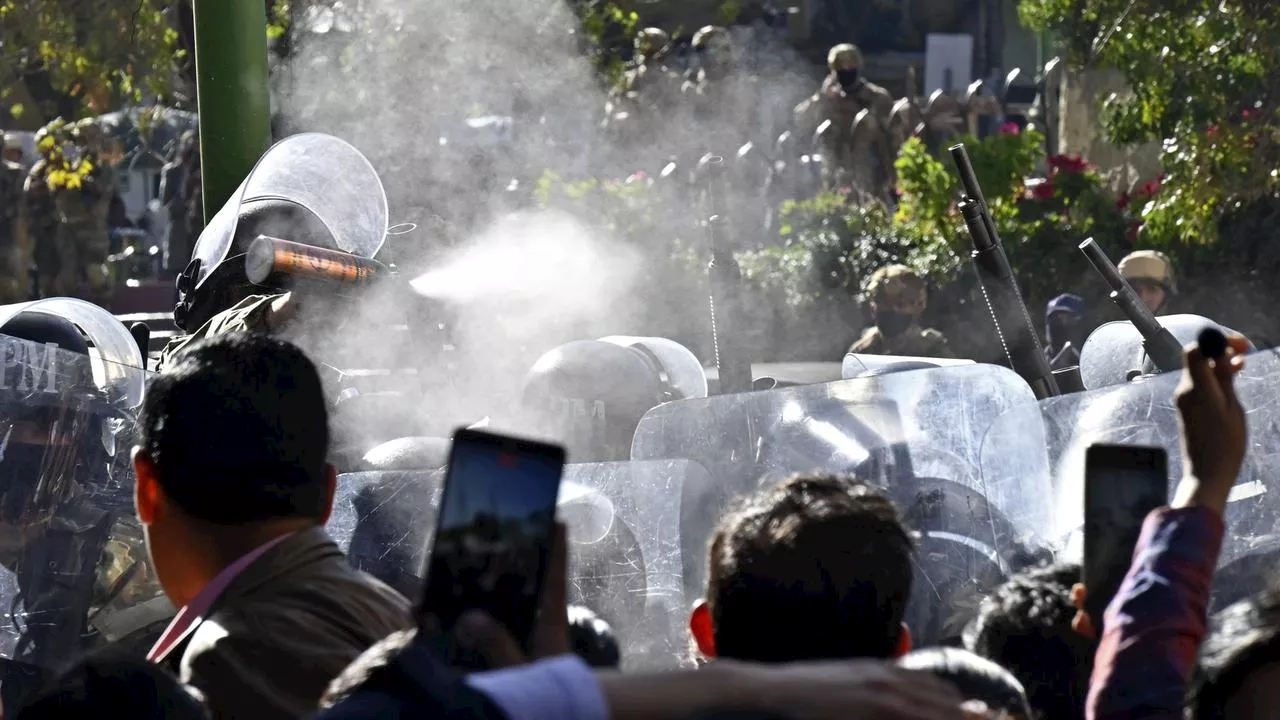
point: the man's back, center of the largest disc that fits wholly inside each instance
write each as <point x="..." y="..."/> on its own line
<point x="284" y="628"/>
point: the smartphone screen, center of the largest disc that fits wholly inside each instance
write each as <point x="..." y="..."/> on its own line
<point x="494" y="531"/>
<point x="1123" y="484"/>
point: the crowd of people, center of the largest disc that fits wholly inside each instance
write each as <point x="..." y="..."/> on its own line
<point x="802" y="614"/>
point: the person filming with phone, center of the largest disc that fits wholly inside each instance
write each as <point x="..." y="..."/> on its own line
<point x="1152" y="630"/>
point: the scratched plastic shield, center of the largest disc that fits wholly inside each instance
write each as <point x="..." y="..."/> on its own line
<point x="1045" y="444"/>
<point x="918" y="434"/>
<point x="1114" y="351"/>
<point x="623" y="532"/>
<point x="74" y="573"/>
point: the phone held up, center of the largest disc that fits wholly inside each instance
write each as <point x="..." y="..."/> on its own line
<point x="1122" y="485"/>
<point x="493" y="535"/>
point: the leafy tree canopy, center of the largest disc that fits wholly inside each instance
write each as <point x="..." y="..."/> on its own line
<point x="1205" y="79"/>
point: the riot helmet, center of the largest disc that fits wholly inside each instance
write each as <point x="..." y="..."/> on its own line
<point x="713" y="47"/>
<point x="651" y="42"/>
<point x="591" y="394"/>
<point x="1151" y="274"/>
<point x="311" y="188"/>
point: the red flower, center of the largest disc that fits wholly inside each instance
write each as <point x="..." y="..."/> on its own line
<point x="1043" y="190"/>
<point x="1068" y="163"/>
<point x="1010" y="128"/>
<point x="1151" y="187"/>
<point x="1123" y="201"/>
<point x="1246" y="114"/>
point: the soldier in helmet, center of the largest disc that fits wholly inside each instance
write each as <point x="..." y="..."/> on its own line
<point x="859" y="154"/>
<point x="1151" y="275"/>
<point x="897" y="298"/>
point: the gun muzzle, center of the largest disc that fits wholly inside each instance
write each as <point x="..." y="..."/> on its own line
<point x="1161" y="346"/>
<point x="275" y="259"/>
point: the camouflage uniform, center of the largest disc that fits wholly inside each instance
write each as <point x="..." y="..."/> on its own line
<point x="41" y="216"/>
<point x="914" y="342"/>
<point x="863" y="157"/>
<point x="251" y="315"/>
<point x="648" y="92"/>
<point x="14" y="257"/>
<point x="895" y="287"/>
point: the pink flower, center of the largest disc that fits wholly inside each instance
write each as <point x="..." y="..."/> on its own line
<point x="1010" y="128"/>
<point x="1043" y="191"/>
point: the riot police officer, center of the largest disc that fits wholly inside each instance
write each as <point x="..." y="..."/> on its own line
<point x="65" y="493"/>
<point x="591" y="394"/>
<point x="898" y="298"/>
<point x="215" y="295"/>
<point x="1151" y="275"/>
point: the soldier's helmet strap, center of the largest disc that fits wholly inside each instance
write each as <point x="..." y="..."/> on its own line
<point x="669" y="391"/>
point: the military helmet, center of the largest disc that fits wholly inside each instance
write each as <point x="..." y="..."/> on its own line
<point x="12" y="141"/>
<point x="651" y="41"/>
<point x="895" y="284"/>
<point x="1149" y="265"/>
<point x="845" y="56"/>
<point x="712" y="39"/>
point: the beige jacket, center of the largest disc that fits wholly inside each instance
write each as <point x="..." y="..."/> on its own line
<point x="283" y="629"/>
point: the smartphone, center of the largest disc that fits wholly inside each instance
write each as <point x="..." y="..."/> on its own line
<point x="494" y="531"/>
<point x="1122" y="485"/>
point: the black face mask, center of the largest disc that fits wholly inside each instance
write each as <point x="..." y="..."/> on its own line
<point x="19" y="475"/>
<point x="847" y="78"/>
<point x="1061" y="330"/>
<point x="893" y="323"/>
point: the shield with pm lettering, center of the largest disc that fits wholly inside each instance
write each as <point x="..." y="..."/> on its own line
<point x="73" y="566"/>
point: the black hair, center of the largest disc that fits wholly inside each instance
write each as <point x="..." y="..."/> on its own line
<point x="237" y="428"/>
<point x="977" y="678"/>
<point x="592" y="639"/>
<point x="1245" y="637"/>
<point x="1025" y="626"/>
<point x="818" y="567"/>
<point x="110" y="684"/>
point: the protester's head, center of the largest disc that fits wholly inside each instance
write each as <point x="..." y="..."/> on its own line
<point x="1025" y="626"/>
<point x="234" y="435"/>
<point x="592" y="639"/>
<point x="975" y="677"/>
<point x="898" y="297"/>
<point x="113" y="685"/>
<point x="818" y="567"/>
<point x="1240" y="662"/>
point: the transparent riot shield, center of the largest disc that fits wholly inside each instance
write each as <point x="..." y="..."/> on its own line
<point x="625" y="560"/>
<point x="1045" y="445"/>
<point x="74" y="573"/>
<point x="918" y="434"/>
<point x="325" y="175"/>
<point x="1113" y="353"/>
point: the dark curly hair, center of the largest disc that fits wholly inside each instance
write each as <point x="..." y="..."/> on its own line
<point x="1025" y="626"/>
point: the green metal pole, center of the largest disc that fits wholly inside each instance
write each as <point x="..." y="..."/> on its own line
<point x="231" y="89"/>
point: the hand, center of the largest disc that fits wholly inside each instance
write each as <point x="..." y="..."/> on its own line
<point x="476" y="632"/>
<point x="1213" y="426"/>
<point x="1082" y="624"/>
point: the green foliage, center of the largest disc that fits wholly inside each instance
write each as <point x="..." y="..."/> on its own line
<point x="100" y="53"/>
<point x="610" y="31"/>
<point x="1205" y="76"/>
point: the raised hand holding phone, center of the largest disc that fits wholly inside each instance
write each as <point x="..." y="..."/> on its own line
<point x="493" y="540"/>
